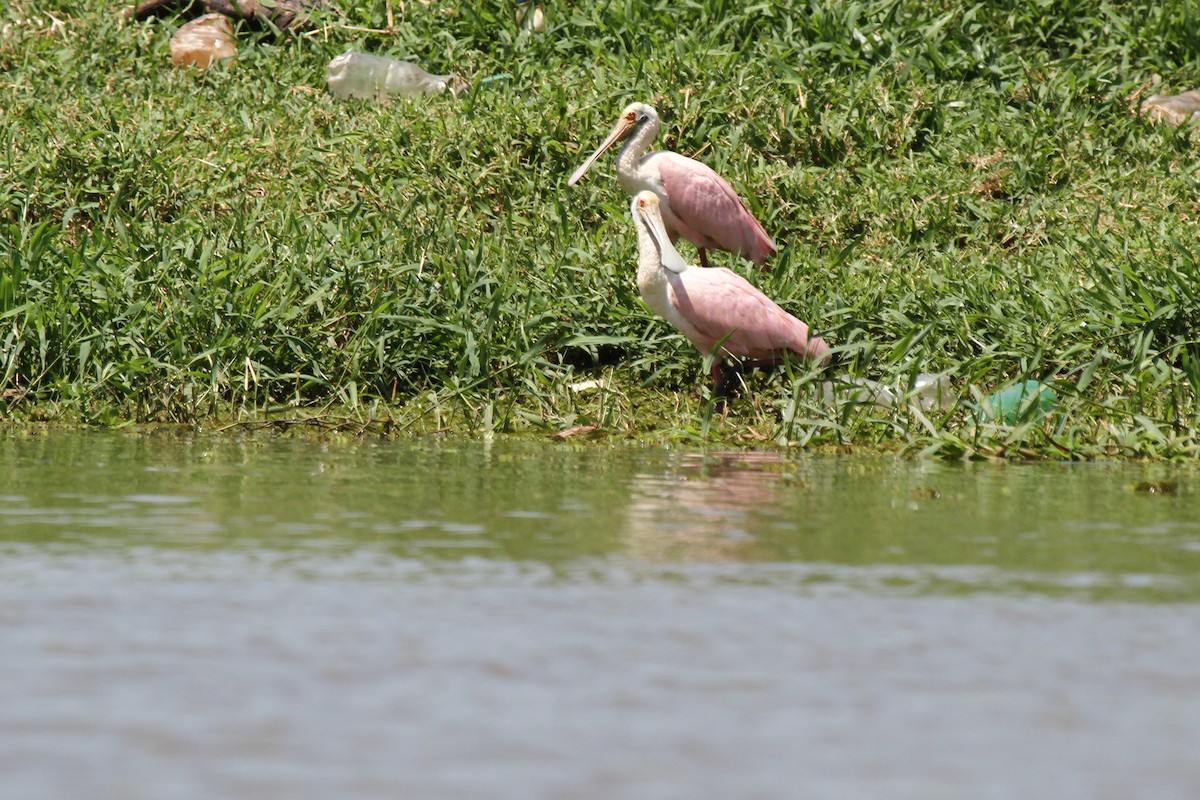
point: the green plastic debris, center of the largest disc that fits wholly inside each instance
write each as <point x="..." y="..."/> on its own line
<point x="1029" y="401"/>
<point x="503" y="76"/>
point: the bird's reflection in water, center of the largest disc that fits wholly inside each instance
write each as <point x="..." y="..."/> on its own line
<point x="706" y="505"/>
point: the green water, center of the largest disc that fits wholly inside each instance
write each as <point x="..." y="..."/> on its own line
<point x="194" y="616"/>
<point x="1097" y="530"/>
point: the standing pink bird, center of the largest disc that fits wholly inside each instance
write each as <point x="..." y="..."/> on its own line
<point x="697" y="203"/>
<point x="713" y="307"/>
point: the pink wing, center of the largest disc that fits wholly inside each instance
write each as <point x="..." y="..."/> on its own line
<point x="704" y="209"/>
<point x="717" y="303"/>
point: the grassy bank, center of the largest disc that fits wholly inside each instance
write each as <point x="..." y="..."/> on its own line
<point x="956" y="189"/>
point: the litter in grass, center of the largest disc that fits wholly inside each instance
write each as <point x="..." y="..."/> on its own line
<point x="531" y="16"/>
<point x="586" y="386"/>
<point x="1172" y="109"/>
<point x="202" y="41"/>
<point x="1027" y="401"/>
<point x="928" y="391"/>
<point x="280" y="14"/>
<point x="380" y="78"/>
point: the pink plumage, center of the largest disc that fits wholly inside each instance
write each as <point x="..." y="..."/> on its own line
<point x="703" y="208"/>
<point x="696" y="202"/>
<point x="713" y="307"/>
<point x="717" y="303"/>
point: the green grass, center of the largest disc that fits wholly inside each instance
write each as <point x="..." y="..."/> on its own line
<point x="958" y="189"/>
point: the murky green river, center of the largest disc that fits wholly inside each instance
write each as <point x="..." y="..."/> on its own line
<point x="204" y="617"/>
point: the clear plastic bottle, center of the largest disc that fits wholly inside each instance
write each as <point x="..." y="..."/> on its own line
<point x="931" y="391"/>
<point x="379" y="78"/>
<point x="1174" y="108"/>
<point x="858" y="390"/>
<point x="928" y="391"/>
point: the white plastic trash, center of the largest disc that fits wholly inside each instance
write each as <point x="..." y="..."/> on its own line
<point x="379" y="78"/>
<point x="928" y="391"/>
<point x="858" y="390"/>
<point x="931" y="391"/>
<point x="1172" y="109"/>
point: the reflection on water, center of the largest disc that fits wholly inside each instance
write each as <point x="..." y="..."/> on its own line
<point x="942" y="527"/>
<point x="1058" y="529"/>
<point x="201" y="617"/>
<point x="704" y="505"/>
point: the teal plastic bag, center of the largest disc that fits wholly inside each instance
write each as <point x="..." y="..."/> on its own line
<point x="1021" y="402"/>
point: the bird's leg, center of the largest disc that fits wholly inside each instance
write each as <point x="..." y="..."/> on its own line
<point x="703" y="257"/>
<point x="716" y="371"/>
<point x="728" y="380"/>
<point x="763" y="363"/>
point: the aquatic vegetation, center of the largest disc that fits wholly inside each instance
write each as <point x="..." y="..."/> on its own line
<point x="957" y="189"/>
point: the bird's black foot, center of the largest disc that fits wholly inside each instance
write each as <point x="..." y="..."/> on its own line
<point x="729" y="382"/>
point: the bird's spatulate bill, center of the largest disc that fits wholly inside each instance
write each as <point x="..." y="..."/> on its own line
<point x="667" y="253"/>
<point x="617" y="134"/>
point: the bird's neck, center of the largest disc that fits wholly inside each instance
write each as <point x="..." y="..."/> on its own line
<point x="652" y="276"/>
<point x="631" y="153"/>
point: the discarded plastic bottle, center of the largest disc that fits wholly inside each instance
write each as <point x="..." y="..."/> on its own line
<point x="379" y="78"/>
<point x="1172" y="109"/>
<point x="931" y="391"/>
<point x="859" y="390"/>
<point x="928" y="391"/>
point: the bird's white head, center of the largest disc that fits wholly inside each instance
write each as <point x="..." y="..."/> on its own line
<point x="635" y="117"/>
<point x="638" y="114"/>
<point x="647" y="218"/>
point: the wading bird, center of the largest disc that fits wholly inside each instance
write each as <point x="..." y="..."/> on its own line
<point x="713" y="308"/>
<point x="697" y="203"/>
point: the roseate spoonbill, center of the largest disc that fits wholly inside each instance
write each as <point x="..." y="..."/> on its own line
<point x="713" y="307"/>
<point x="697" y="203"/>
